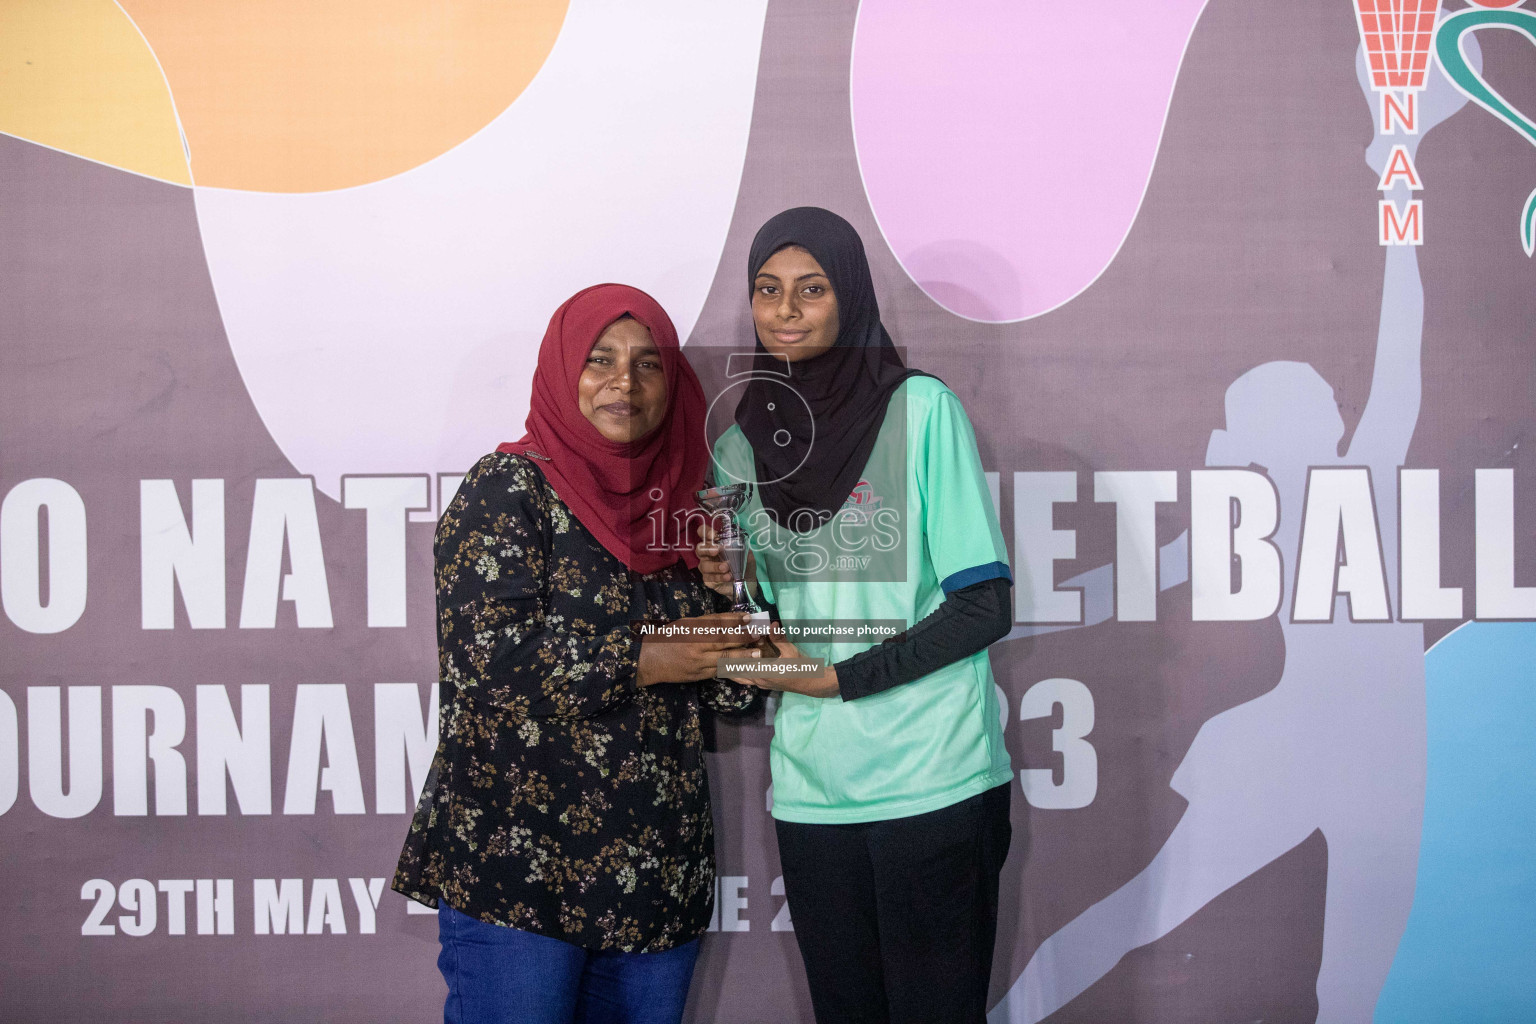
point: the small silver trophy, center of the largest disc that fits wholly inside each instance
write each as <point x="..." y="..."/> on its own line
<point x="722" y="502"/>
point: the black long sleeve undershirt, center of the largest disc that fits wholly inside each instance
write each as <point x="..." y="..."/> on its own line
<point x="970" y="619"/>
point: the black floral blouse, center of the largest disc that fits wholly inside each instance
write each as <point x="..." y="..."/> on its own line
<point x="564" y="799"/>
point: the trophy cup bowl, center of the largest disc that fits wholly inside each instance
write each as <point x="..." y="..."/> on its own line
<point x="722" y="503"/>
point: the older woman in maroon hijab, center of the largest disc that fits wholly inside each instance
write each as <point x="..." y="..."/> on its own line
<point x="564" y="832"/>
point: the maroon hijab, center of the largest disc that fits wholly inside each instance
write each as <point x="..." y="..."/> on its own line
<point x="620" y="492"/>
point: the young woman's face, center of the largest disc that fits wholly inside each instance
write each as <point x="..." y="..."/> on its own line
<point x="793" y="305"/>
<point x="623" y="388"/>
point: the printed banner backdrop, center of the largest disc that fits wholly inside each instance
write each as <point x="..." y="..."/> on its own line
<point x="1240" y="298"/>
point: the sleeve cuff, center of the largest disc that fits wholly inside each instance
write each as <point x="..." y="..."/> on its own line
<point x="853" y="679"/>
<point x="976" y="574"/>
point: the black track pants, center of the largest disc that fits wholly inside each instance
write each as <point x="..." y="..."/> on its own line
<point x="896" y="919"/>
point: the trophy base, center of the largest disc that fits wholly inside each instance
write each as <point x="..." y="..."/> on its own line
<point x="759" y="623"/>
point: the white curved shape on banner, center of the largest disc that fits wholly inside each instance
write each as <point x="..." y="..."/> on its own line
<point x="1006" y="145"/>
<point x="394" y="327"/>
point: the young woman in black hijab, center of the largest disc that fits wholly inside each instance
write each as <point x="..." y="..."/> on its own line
<point x="890" y="776"/>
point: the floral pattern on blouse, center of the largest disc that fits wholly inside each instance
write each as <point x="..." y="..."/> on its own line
<point x="563" y="799"/>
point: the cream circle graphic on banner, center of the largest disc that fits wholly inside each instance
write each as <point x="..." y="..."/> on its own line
<point x="1006" y="146"/>
<point x="393" y="327"/>
<point x="76" y="76"/>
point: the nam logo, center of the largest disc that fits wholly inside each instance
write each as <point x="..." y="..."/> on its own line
<point x="1397" y="36"/>
<point x="1401" y="40"/>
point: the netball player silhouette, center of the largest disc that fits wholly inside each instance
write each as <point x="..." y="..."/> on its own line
<point x="1338" y="745"/>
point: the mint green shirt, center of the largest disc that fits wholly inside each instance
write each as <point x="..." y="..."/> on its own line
<point x="919" y="524"/>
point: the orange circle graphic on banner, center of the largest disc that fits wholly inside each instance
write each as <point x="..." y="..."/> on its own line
<point x="299" y="96"/>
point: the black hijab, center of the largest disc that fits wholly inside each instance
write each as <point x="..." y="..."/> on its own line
<point x="809" y="456"/>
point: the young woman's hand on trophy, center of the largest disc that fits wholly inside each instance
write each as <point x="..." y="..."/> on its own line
<point x="715" y="569"/>
<point x="726" y="562"/>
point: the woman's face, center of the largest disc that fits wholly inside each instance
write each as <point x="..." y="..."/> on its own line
<point x="623" y="388"/>
<point x="793" y="305"/>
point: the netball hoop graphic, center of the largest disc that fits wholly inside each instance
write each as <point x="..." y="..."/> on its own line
<point x="1397" y="35"/>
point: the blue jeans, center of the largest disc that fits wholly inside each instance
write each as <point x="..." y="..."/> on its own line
<point x="499" y="975"/>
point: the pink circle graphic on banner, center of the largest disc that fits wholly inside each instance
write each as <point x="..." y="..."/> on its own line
<point x="1004" y="145"/>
